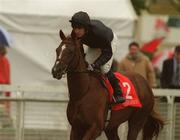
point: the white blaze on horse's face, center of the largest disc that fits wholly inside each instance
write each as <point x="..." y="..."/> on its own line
<point x="62" y="49"/>
<point x="60" y="54"/>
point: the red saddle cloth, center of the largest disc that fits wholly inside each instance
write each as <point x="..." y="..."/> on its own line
<point x="128" y="90"/>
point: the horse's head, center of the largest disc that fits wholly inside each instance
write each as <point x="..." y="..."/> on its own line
<point x="65" y="55"/>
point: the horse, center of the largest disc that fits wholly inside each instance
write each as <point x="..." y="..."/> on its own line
<point x="88" y="99"/>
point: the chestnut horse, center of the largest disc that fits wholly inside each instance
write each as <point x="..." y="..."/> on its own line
<point x="88" y="99"/>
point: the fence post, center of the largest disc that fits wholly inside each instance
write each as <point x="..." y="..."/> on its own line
<point x="20" y="117"/>
<point x="171" y="117"/>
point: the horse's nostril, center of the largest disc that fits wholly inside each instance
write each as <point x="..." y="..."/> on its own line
<point x="53" y="71"/>
<point x="54" y="76"/>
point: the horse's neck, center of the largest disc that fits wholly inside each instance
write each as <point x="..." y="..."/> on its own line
<point x="78" y="81"/>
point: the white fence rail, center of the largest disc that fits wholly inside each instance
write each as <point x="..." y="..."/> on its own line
<point x="22" y="95"/>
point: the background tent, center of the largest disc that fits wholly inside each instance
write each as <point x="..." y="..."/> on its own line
<point x="34" y="25"/>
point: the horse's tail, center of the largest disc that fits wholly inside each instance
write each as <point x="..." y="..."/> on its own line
<point x="153" y="126"/>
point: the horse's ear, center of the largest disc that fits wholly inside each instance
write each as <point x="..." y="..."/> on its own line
<point x="61" y="34"/>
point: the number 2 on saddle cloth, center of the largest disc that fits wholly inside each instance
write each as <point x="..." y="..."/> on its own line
<point x="128" y="90"/>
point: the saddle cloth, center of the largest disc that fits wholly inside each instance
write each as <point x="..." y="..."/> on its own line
<point x="128" y="90"/>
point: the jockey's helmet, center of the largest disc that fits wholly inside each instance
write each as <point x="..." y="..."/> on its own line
<point x="80" y="19"/>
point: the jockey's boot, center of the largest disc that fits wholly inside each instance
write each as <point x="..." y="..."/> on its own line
<point x="117" y="95"/>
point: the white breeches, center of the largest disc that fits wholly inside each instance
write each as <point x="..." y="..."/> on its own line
<point x="93" y="53"/>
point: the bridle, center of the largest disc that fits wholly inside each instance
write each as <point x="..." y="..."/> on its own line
<point x="67" y="69"/>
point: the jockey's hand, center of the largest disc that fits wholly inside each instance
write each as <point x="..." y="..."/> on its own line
<point x="90" y="67"/>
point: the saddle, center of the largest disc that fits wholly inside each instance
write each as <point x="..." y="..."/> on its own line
<point x="127" y="88"/>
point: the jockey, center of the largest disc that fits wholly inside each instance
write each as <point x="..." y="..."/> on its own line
<point x="97" y="37"/>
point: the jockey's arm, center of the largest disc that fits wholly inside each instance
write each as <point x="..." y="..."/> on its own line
<point x="105" y="56"/>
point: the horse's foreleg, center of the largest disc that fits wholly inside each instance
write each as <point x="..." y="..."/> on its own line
<point x="76" y="134"/>
<point x="73" y="135"/>
<point x="92" y="133"/>
<point x="112" y="133"/>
